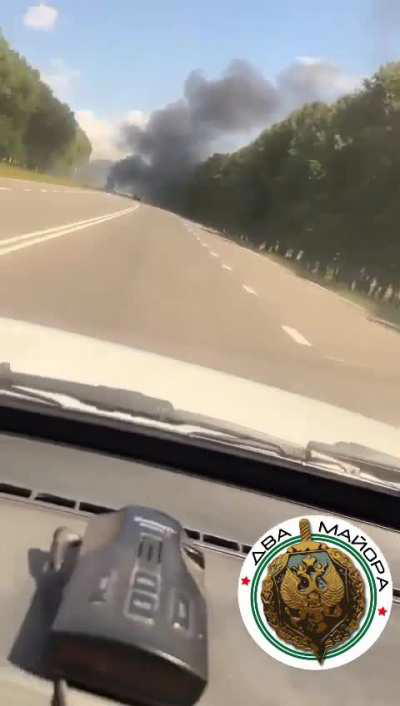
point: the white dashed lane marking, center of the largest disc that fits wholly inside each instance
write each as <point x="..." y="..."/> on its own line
<point x="249" y="290"/>
<point x="213" y="253"/>
<point x="228" y="268"/>
<point x="296" y="336"/>
<point x="5" y="188"/>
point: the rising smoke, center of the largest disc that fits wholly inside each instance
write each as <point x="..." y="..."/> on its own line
<point x="182" y="134"/>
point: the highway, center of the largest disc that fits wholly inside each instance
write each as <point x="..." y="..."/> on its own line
<point x="105" y="266"/>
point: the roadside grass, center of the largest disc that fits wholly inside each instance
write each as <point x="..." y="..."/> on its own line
<point x="388" y="314"/>
<point x="10" y="172"/>
<point x="383" y="311"/>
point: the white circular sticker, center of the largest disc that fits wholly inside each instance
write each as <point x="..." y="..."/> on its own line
<point x="315" y="592"/>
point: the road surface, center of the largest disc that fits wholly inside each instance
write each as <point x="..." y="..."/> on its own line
<point x="108" y="267"/>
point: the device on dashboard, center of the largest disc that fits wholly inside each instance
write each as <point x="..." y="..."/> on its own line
<point x="132" y="619"/>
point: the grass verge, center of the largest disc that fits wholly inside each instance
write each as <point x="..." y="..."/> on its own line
<point x="383" y="312"/>
<point x="19" y="173"/>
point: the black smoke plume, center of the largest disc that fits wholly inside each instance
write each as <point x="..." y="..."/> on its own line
<point x="182" y="134"/>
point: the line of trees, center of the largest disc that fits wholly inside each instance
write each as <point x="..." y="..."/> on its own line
<point x="37" y="131"/>
<point x="322" y="186"/>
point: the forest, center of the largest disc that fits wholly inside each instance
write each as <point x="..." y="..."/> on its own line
<point x="321" y="187"/>
<point x="37" y="131"/>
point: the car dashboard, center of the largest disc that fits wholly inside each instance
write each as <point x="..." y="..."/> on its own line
<point x="44" y="485"/>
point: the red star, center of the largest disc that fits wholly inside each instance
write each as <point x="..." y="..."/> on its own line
<point x="245" y="581"/>
<point x="382" y="611"/>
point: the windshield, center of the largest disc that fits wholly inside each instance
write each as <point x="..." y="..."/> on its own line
<point x="199" y="203"/>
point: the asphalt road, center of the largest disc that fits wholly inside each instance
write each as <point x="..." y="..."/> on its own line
<point x="107" y="267"/>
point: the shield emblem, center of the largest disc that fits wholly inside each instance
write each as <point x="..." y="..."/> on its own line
<point x="313" y="596"/>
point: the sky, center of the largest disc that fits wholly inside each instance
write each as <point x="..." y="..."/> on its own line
<point x="116" y="61"/>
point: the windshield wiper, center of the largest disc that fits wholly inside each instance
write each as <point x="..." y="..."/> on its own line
<point x="138" y="406"/>
<point x="100" y="397"/>
<point x="358" y="464"/>
<point x="355" y="464"/>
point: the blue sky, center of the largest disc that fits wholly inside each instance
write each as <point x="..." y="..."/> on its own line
<point x="111" y="57"/>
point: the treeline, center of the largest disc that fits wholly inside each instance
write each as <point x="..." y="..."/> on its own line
<point x="322" y="186"/>
<point x="37" y="131"/>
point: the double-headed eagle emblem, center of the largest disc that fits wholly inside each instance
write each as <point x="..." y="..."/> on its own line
<point x="313" y="595"/>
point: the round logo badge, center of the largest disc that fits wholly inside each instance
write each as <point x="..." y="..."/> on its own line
<point x="315" y="592"/>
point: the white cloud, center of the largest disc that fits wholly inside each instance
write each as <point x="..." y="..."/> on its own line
<point x="347" y="84"/>
<point x="41" y="16"/>
<point x="308" y="60"/>
<point x="311" y="78"/>
<point x="136" y="117"/>
<point x="336" y="80"/>
<point x="61" y="78"/>
<point x="105" y="133"/>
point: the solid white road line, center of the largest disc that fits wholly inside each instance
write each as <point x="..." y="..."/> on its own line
<point x="228" y="268"/>
<point x="19" y="242"/>
<point x="296" y="335"/>
<point x="249" y="290"/>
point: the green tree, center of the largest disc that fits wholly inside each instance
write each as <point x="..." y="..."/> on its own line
<point x="36" y="129"/>
<point x="326" y="181"/>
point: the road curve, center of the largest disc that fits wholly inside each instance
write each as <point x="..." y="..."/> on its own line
<point x="107" y="267"/>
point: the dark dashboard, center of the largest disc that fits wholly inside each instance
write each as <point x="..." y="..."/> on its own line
<point x="44" y="485"/>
